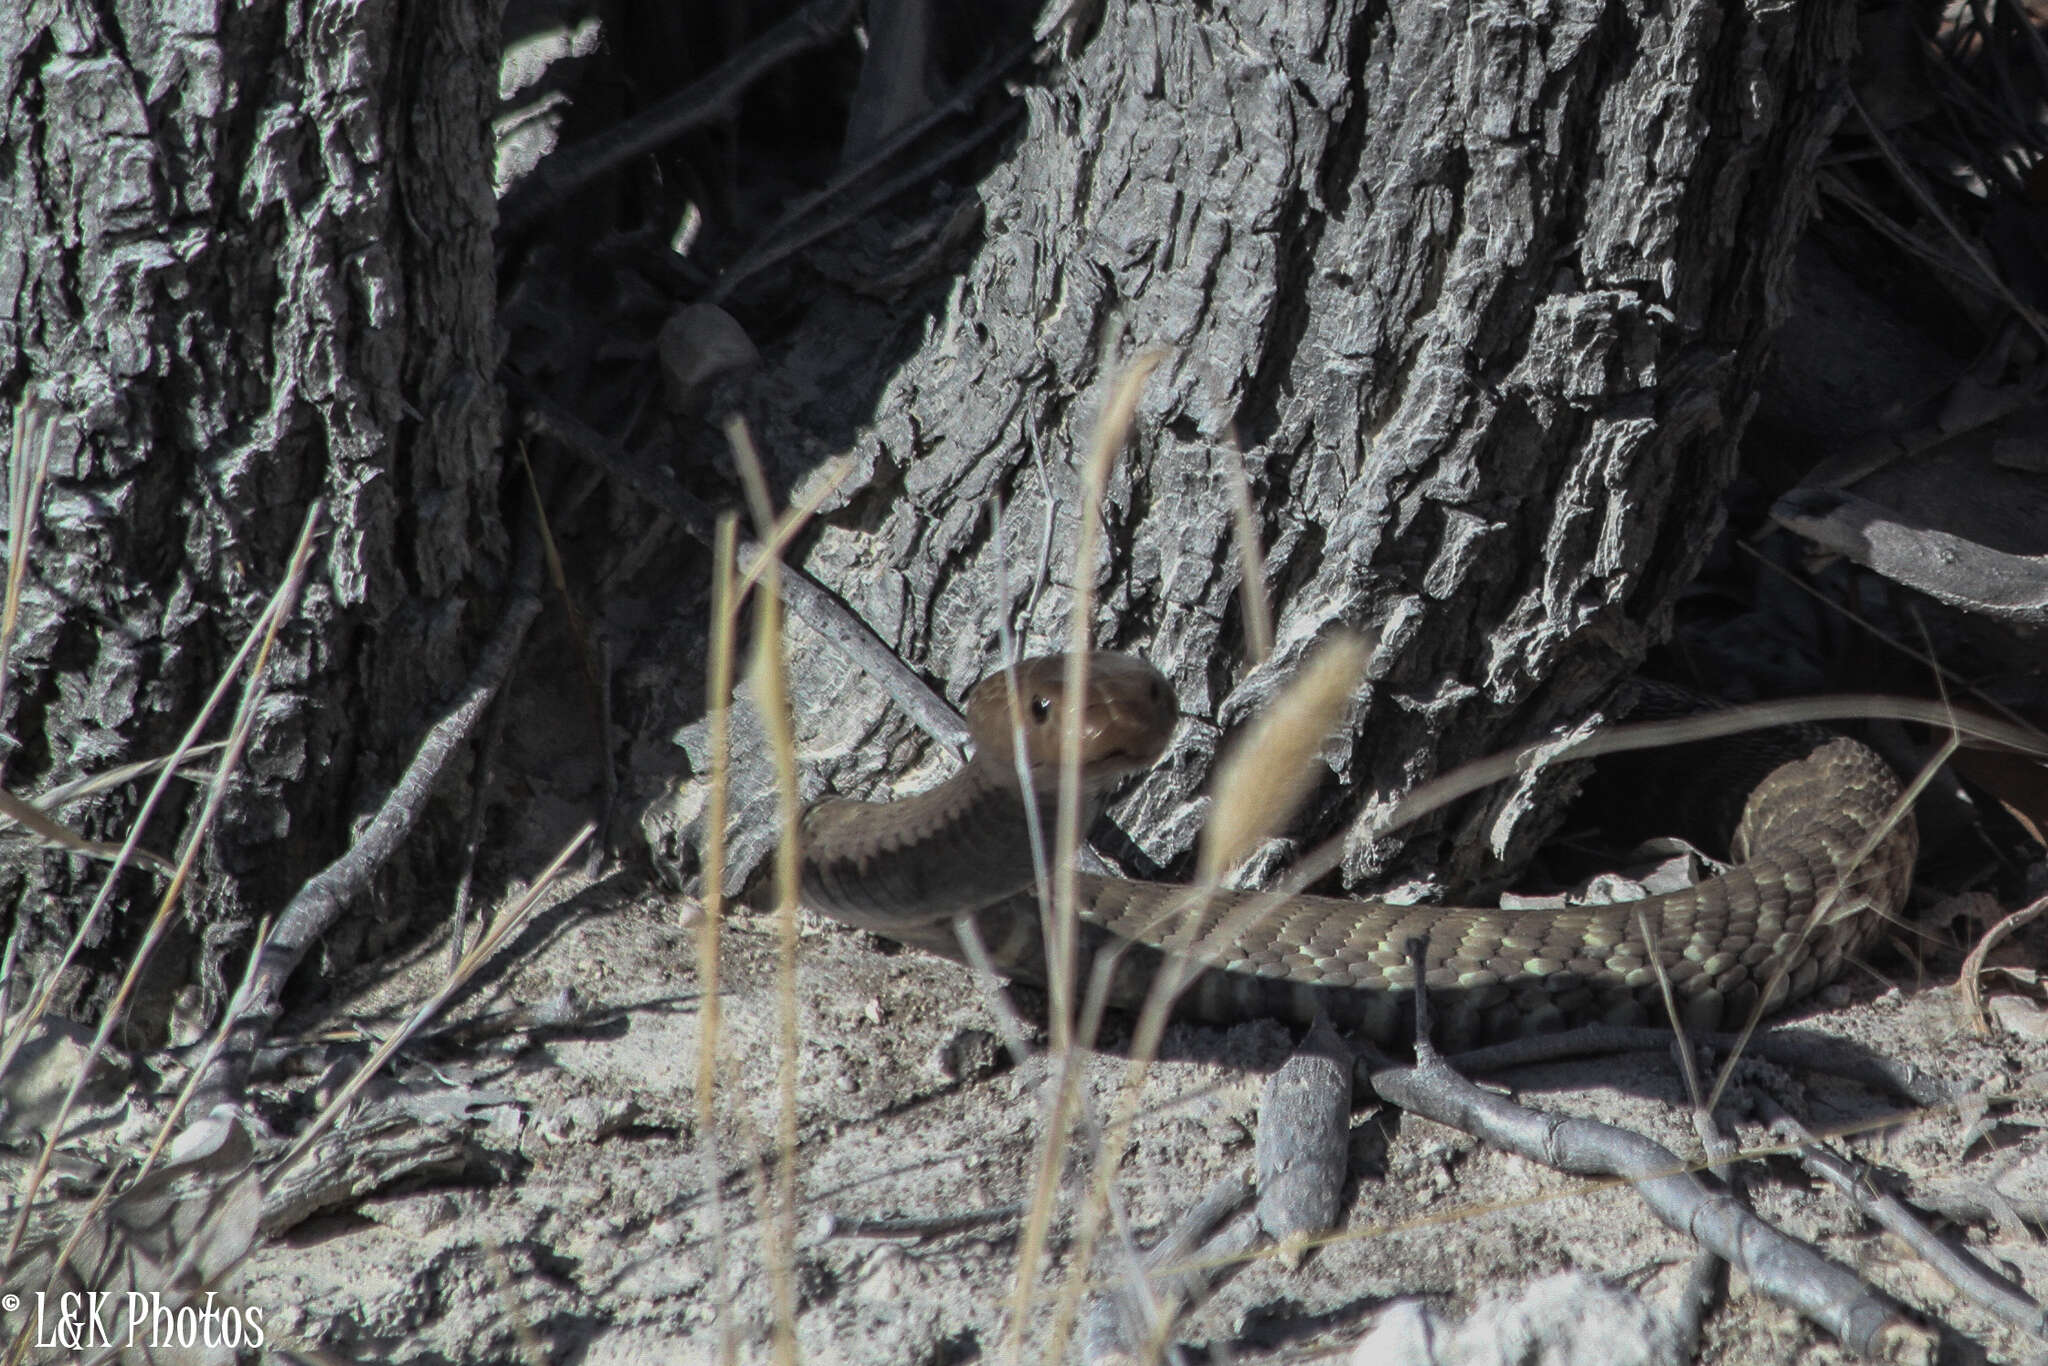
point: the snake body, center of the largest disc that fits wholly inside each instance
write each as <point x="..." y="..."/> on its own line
<point x="911" y="869"/>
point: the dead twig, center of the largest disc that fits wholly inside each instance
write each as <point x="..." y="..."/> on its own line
<point x="1971" y="980"/>
<point x="1984" y="1287"/>
<point x="323" y="897"/>
<point x="819" y="608"/>
<point x="1780" y="1266"/>
<point x="571" y="168"/>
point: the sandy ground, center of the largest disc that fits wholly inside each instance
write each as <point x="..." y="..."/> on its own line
<point x="586" y="1229"/>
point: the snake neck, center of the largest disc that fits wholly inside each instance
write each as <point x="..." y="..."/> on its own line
<point x="884" y="865"/>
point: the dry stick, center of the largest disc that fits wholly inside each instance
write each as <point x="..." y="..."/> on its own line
<point x="1441" y="1217"/>
<point x="327" y="893"/>
<point x="1981" y="1202"/>
<point x="465" y="881"/>
<point x="1984" y="1287"/>
<point x="861" y="207"/>
<point x="1791" y="1049"/>
<point x="1969" y="980"/>
<point x="559" y="176"/>
<point x="810" y="600"/>
<point x="914" y="1226"/>
<point x="1782" y="1267"/>
<point x="1844" y="191"/>
<point x="771" y="698"/>
<point x="1111" y="430"/>
<point x="1302" y="1142"/>
<point x="1125" y="1326"/>
<point x="724" y="621"/>
<point x="276" y="613"/>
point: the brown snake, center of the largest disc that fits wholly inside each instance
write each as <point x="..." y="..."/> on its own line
<point x="906" y="869"/>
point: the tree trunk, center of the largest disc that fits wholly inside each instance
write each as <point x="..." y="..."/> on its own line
<point x="1486" y="299"/>
<point x="248" y="250"/>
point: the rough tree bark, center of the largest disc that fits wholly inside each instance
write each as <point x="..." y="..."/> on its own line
<point x="1487" y="296"/>
<point x="247" y="250"/>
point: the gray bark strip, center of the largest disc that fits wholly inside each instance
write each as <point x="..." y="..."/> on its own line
<point x="1304" y="1139"/>
<point x="1950" y="568"/>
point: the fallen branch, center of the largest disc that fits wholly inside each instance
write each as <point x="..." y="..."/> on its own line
<point x="321" y="900"/>
<point x="1984" y="1287"/>
<point x="1780" y="1266"/>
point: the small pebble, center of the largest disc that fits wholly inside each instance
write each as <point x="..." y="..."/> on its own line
<point x="970" y="1055"/>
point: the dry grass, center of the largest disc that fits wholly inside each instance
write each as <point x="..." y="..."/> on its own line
<point x="1256" y="791"/>
<point x="227" y="1233"/>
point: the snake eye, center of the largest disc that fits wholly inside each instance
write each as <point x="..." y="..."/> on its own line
<point x="1041" y="707"/>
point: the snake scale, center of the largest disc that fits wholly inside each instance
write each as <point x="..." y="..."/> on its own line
<point x="909" y="869"/>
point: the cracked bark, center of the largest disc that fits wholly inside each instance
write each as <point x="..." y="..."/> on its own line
<point x="247" y="251"/>
<point x="1486" y="297"/>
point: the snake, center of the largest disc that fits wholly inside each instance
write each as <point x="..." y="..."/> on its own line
<point x="1820" y="862"/>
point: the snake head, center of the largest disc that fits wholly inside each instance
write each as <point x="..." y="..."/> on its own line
<point x="1126" y="713"/>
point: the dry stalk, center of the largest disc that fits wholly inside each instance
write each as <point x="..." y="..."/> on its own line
<point x="710" y="1015"/>
<point x="275" y="614"/>
<point x="771" y="697"/>
<point x="1257" y="790"/>
<point x="1111" y="432"/>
